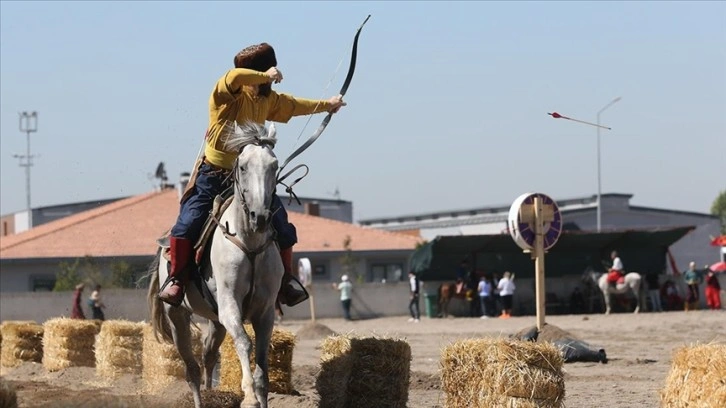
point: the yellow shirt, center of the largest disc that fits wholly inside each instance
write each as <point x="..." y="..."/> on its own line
<point x="229" y="102"/>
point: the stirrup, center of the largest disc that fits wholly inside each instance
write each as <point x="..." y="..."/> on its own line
<point x="168" y="281"/>
<point x="301" y="298"/>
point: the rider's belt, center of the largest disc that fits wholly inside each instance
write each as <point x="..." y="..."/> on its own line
<point x="215" y="167"/>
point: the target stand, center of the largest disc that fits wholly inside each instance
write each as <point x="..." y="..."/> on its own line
<point x="535" y="224"/>
<point x="305" y="274"/>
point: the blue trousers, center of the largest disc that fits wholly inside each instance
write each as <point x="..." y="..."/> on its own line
<point x="195" y="209"/>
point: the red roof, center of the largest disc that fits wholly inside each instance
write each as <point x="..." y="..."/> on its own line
<point x="130" y="227"/>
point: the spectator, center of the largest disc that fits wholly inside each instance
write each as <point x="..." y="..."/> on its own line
<point x="669" y="292"/>
<point x="96" y="304"/>
<point x="713" y="291"/>
<point x="506" y="292"/>
<point x="77" y="311"/>
<point x="413" y="304"/>
<point x="693" y="279"/>
<point x="651" y="279"/>
<point x="485" y="297"/>
<point x="345" y="288"/>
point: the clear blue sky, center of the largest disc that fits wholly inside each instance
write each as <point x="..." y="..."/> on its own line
<point x="447" y="109"/>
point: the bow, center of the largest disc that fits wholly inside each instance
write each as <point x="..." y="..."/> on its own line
<point x="342" y="92"/>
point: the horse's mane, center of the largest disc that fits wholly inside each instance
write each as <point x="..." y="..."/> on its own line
<point x="236" y="136"/>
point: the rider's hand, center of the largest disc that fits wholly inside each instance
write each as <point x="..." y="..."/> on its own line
<point x="336" y="103"/>
<point x="274" y="74"/>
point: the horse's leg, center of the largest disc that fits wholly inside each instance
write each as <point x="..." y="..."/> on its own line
<point x="263" y="325"/>
<point x="210" y="357"/>
<point x="182" y="336"/>
<point x="230" y="316"/>
<point x="606" y="296"/>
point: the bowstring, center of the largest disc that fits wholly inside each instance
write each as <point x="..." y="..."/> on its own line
<point x="325" y="90"/>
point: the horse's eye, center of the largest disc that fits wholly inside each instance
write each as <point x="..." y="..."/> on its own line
<point x="242" y="169"/>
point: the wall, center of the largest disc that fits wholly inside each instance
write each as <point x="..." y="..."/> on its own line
<point x="369" y="300"/>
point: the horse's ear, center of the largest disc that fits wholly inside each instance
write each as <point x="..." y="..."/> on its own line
<point x="271" y="131"/>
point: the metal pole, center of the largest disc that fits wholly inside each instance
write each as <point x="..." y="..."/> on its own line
<point x="599" y="178"/>
<point x="599" y="183"/>
<point x="28" y="124"/>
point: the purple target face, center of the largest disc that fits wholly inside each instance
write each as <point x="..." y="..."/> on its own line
<point x="552" y="229"/>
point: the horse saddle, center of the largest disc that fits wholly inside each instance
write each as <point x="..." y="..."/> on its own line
<point x="221" y="203"/>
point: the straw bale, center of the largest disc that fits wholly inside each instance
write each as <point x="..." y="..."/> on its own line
<point x="22" y="341"/>
<point x="118" y="348"/>
<point x="502" y="372"/>
<point x="279" y="360"/>
<point x="697" y="377"/>
<point x="161" y="362"/>
<point x="8" y="396"/>
<point x="68" y="343"/>
<point x="364" y="372"/>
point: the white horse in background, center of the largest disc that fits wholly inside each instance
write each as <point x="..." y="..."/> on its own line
<point x="242" y="269"/>
<point x="632" y="282"/>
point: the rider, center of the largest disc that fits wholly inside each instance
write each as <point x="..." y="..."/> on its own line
<point x="616" y="271"/>
<point x="241" y="94"/>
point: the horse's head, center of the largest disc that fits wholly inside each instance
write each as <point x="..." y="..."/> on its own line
<point x="589" y="275"/>
<point x="254" y="173"/>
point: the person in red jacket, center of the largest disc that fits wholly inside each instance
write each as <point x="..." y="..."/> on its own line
<point x="77" y="311"/>
<point x="713" y="291"/>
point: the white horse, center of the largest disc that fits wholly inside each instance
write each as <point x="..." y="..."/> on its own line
<point x="632" y="283"/>
<point x="242" y="269"/>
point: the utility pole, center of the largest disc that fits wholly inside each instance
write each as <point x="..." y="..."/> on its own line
<point x="28" y="124"/>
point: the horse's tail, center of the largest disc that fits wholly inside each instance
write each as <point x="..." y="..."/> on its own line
<point x="159" y="322"/>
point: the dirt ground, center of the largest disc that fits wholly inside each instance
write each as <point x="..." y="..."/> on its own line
<point x="638" y="347"/>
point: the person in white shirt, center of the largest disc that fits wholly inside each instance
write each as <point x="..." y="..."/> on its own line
<point x="616" y="271"/>
<point x="506" y="291"/>
<point x="345" y="288"/>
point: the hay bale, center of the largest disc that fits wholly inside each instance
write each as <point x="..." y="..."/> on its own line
<point x="697" y="377"/>
<point x="161" y="362"/>
<point x="22" y="341"/>
<point x="68" y="343"/>
<point x="364" y="372"/>
<point x="8" y="396"/>
<point x="502" y="372"/>
<point x="279" y="359"/>
<point x="118" y="348"/>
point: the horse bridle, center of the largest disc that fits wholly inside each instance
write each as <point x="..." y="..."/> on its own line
<point x="231" y="236"/>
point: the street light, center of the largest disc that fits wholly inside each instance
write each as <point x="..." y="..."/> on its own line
<point x="28" y="124"/>
<point x="598" y="126"/>
<point x="599" y="192"/>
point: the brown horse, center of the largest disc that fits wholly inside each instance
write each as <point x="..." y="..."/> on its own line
<point x="448" y="291"/>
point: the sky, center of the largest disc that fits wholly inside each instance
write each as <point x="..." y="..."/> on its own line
<point x="447" y="109"/>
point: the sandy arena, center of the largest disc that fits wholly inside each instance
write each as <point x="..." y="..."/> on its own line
<point x="639" y="348"/>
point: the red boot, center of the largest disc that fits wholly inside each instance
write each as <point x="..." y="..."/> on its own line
<point x="173" y="290"/>
<point x="288" y="294"/>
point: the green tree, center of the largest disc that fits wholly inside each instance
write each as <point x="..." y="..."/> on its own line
<point x="122" y="275"/>
<point x="718" y="208"/>
<point x="93" y="274"/>
<point x="349" y="261"/>
<point x="68" y="276"/>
